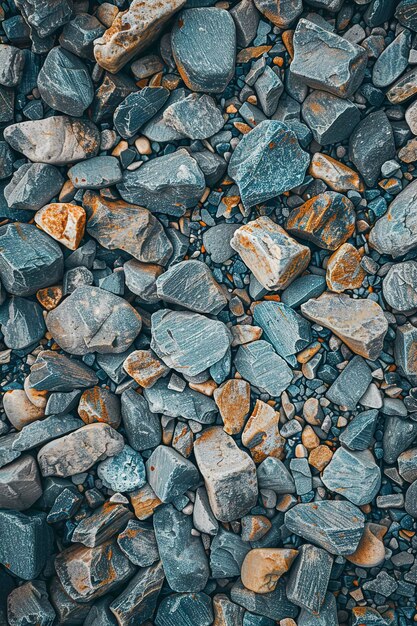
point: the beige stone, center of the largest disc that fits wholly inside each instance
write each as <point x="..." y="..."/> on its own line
<point x="233" y="401"/>
<point x="370" y="551"/>
<point x="19" y="409"/>
<point x="261" y="433"/>
<point x="263" y="567"/>
<point x="145" y="367"/>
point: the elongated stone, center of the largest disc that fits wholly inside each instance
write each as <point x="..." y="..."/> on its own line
<point x="187" y="403"/>
<point x="335" y="174"/>
<point x="324" y="60"/>
<point x="258" y="363"/>
<point x="287" y="331"/>
<point x="119" y="225"/>
<point x="344" y="270"/>
<point x="399" y="434"/>
<point x="137" y="109"/>
<point x="78" y="451"/>
<point x="138" y="600"/>
<point x="56" y="372"/>
<point x="191" y="285"/>
<point x="182" y="554"/>
<point x="233" y="401"/>
<point x="309" y="578"/>
<point x="143" y="428"/>
<point x="101" y="525"/>
<point x="359" y="432"/>
<point x="273" y="605"/>
<point x="92" y="319"/>
<point x="202" y="64"/>
<point x="20" y="484"/>
<point x="361" y="324"/>
<point x="351" y="384"/>
<point x="229" y="474"/>
<point x="267" y="162"/>
<point x="95" y="173"/>
<point x="12" y="62"/>
<point x="132" y="31"/>
<point x="337" y="526"/>
<point x="405" y="351"/>
<point x="30" y="601"/>
<point x="21" y="323"/>
<point x="261" y="433"/>
<point x="138" y="543"/>
<point x="185" y="607"/>
<point x="168" y="184"/>
<point x="371" y="144"/>
<point x="58" y="140"/>
<point x="170" y="474"/>
<point x="392" y="62"/>
<point x="404" y="88"/>
<point x="355" y="475"/>
<point x="33" y="186"/>
<point x="331" y="119"/>
<point x="41" y="431"/>
<point x="271" y="254"/>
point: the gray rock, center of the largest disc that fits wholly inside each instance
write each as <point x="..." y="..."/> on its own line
<point x="371" y="144"/>
<point x="267" y="162"/>
<point x="29" y="259"/>
<point x="79" y="34"/>
<point x="56" y="372"/>
<point x="227" y="553"/>
<point x="379" y="12"/>
<point x="272" y="474"/>
<point x="21" y="323"/>
<point x="259" y="364"/>
<point x="217" y="239"/>
<point x="399" y="286"/>
<point x="113" y="89"/>
<point x="269" y="88"/>
<point x="98" y="172"/>
<point x="351" y="384"/>
<point x="246" y="19"/>
<point x="228" y="613"/>
<point x="188" y="342"/>
<point x="12" y="62"/>
<point x="203" y="517"/>
<point x="141" y="279"/>
<point x="137" y="109"/>
<point x="301" y="474"/>
<point x="287" y="331"/>
<point x="337" y="526"/>
<point x="101" y="525"/>
<point x="399" y="434"/>
<point x="7" y="454"/>
<point x="123" y="472"/>
<point x="6" y="160"/>
<point x="168" y="184"/>
<point x="20" y="484"/>
<point x="138" y="543"/>
<point x="229" y="474"/>
<point x="77" y="452"/>
<point x="274" y="604"/>
<point x="354" y="475"/>
<point x="392" y="62"/>
<point x="192" y="609"/>
<point x="65" y="607"/>
<point x="170" y="474"/>
<point x="157" y="129"/>
<point x="58" y="140"/>
<point x="45" y="17"/>
<point x="182" y="554"/>
<point x="29" y="604"/>
<point x="92" y="319"/>
<point x="64" y="82"/>
<point x="309" y="578"/>
<point x="26" y="542"/>
<point x="411" y="500"/>
<point x="302" y="289"/>
<point x="142" y="427"/>
<point x="359" y="432"/>
<point x="99" y="613"/>
<point x="405" y="14"/>
<point x="191" y="285"/>
<point x="137" y="602"/>
<point x="33" y="186"/>
<point x="404" y="351"/>
<point x="324" y="60"/>
<point x="188" y="404"/>
<point x="407" y="465"/>
<point x="195" y="116"/>
<point x="282" y="13"/>
<point x="203" y="65"/>
<point x="326" y="617"/>
<point x="331" y="119"/>
<point x="212" y="165"/>
<point x="383" y="584"/>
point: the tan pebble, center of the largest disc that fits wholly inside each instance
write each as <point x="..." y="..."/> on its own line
<point x="320" y="457"/>
<point x="106" y="13"/>
<point x="408" y="153"/>
<point x="338" y="176"/>
<point x="64" y="222"/>
<point x="261" y="433"/>
<point x="144" y="502"/>
<point x="307" y="354"/>
<point x="300" y="451"/>
<point x="143" y="145"/>
<point x="19" y="409"/>
<point x="263" y="567"/>
<point x="145" y="367"/>
<point x="285" y="502"/>
<point x="287" y="622"/>
<point x="37" y="398"/>
<point x="254" y="52"/>
<point x="244" y="333"/>
<point x="121" y="147"/>
<point x="344" y="270"/>
<point x="207" y="388"/>
<point x="309" y="438"/>
<point x="312" y="412"/>
<point x="370" y="551"/>
<point x="233" y="401"/>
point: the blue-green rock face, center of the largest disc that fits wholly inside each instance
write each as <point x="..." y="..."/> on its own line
<point x="267" y="162"/>
<point x="124" y="471"/>
<point x="259" y="364"/>
<point x="137" y="109"/>
<point x="33" y="186"/>
<point x="21" y="322"/>
<point x="192" y="609"/>
<point x="354" y="475"/>
<point x="359" y="432"/>
<point x="287" y="331"/>
<point x="95" y="173"/>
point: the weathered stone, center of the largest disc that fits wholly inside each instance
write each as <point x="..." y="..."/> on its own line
<point x="128" y="227"/>
<point x="392" y="61"/>
<point x="227" y="553"/>
<point x="12" y="62"/>
<point x="371" y="550"/>
<point x="335" y="174"/>
<point x="29" y="604"/>
<point x="213" y="167"/>
<point x="141" y="279"/>
<point x="188" y="404"/>
<point x="361" y="324"/>
<point x="351" y="384"/>
<point x="132" y="31"/>
<point x="233" y="401"/>
<point x="258" y="363"/>
<point x="261" y="433"/>
<point x="282" y="12"/>
<point x="168" y="184"/>
<point x="170" y="474"/>
<point x="302" y="289"/>
<point x="324" y="60"/>
<point x="287" y="331"/>
<point x="189" y="608"/>
<point x="406" y="14"/>
<point x="327" y="615"/>
<point x="203" y="517"/>
<point x="254" y="527"/>
<point x="92" y="319"/>
<point x="125" y="471"/>
<point x="99" y="405"/>
<point x="227" y="613"/>
<point x="195" y="116"/>
<point x="331" y="119"/>
<point x="78" y="451"/>
<point x="263" y="567"/>
<point x="399" y="434"/>
<point x="29" y="259"/>
<point x="56" y="372"/>
<point x="371" y="144"/>
<point x="354" y="475"/>
<point x="58" y="140"/>
<point x="202" y="64"/>
<point x="145" y="367"/>
<point x="411" y="500"/>
<point x="404" y="88"/>
<point x="110" y="94"/>
<point x="101" y="525"/>
<point x="271" y="254"/>
<point x="79" y="34"/>
<point x="41" y="431"/>
<point x="337" y="526"/>
<point x="138" y="600"/>
<point x="143" y="428"/>
<point x="45" y="18"/>
<point x="19" y="409"/>
<point x="344" y="270"/>
<point x="137" y="109"/>
<point x="21" y="323"/>
<point x="20" y="484"/>
<point x="398" y="286"/>
<point x="182" y="554"/>
<point x="309" y="578"/>
<point x="272" y="474"/>
<point x="95" y="173"/>
<point x="138" y="543"/>
<point x="144" y="502"/>
<point x="63" y="222"/>
<point x="157" y="129"/>
<point x="88" y="573"/>
<point x="274" y="605"/>
<point x="407" y="465"/>
<point x="267" y="162"/>
<point x="32" y="186"/>
<point x="359" y="432"/>
<point x="405" y="351"/>
<point x="229" y="474"/>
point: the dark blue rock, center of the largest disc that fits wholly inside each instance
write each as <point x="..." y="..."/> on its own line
<point x="142" y="426"/>
<point x="22" y="323"/>
<point x="359" y="433"/>
<point x="187" y="609"/>
<point x="137" y="109"/>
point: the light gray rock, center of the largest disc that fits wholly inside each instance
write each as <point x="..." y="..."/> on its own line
<point x="287" y="331"/>
<point x="196" y="116"/>
<point x="258" y="363"/>
<point x="217" y="239"/>
<point x="142" y="427"/>
<point x="203" y="517"/>
<point x="30" y="601"/>
<point x="170" y="474"/>
<point x="400" y="286"/>
<point x="351" y="384"/>
<point x="21" y="323"/>
<point x="186" y="403"/>
<point x="354" y="475"/>
<point x="95" y="173"/>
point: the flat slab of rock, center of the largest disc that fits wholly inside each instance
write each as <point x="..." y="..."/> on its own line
<point x="187" y="403"/>
<point x="354" y="475"/>
<point x="287" y="331"/>
<point x="229" y="474"/>
<point x="361" y="324"/>
<point x="309" y="578"/>
<point x="258" y="363"/>
<point x="351" y="384"/>
<point x="40" y="432"/>
<point x="95" y="173"/>
<point x="267" y="162"/>
<point x="32" y="186"/>
<point x="53" y="371"/>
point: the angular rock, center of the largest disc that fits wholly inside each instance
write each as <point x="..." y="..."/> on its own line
<point x="195" y="116"/>
<point x="145" y="368"/>
<point x="370" y="145"/>
<point x="41" y="431"/>
<point x="202" y="64"/>
<point x="324" y="60"/>
<point x="411" y="500"/>
<point x="12" y="62"/>
<point x="78" y="451"/>
<point x="272" y="474"/>
<point x="399" y="434"/>
<point x="229" y="474"/>
<point x="138" y="543"/>
<point x="282" y="12"/>
<point x="354" y="475"/>
<point x="64" y="222"/>
<point x="351" y="384"/>
<point x="359" y="432"/>
<point x="392" y="62"/>
<point x="213" y="167"/>
<point x="157" y="129"/>
<point x="56" y="372"/>
<point x="302" y="289"/>
<point x="227" y="553"/>
<point x="267" y="162"/>
<point x="407" y="465"/>
<point x="287" y="331"/>
<point x="29" y="604"/>
<point x="405" y="351"/>
<point x="45" y="18"/>
<point x="344" y="269"/>
<point x="188" y="404"/>
<point x="95" y="173"/>
<point x="182" y="554"/>
<point x="33" y="186"/>
<point x="185" y="607"/>
<point x="99" y="405"/>
<point x="331" y="119"/>
<point x="261" y="433"/>
<point x="258" y="363"/>
<point x="21" y="323"/>
<point x="170" y="474"/>
<point x="327" y="615"/>
<point x="101" y="525"/>
<point x="58" y="140"/>
<point x="79" y="34"/>
<point x="337" y="526"/>
<point x="137" y="109"/>
<point x="138" y="600"/>
<point x="335" y="174"/>
<point x="20" y="484"/>
<point x="125" y="471"/>
<point x="227" y="613"/>
<point x="94" y="320"/>
<point x="361" y="324"/>
<point x="168" y="184"/>
<point x="271" y="254"/>
<point x="142" y="427"/>
<point x="273" y="605"/>
<point x="309" y="578"/>
<point x="233" y="401"/>
<point x="246" y="19"/>
<point x="399" y="286"/>
<point x="141" y="279"/>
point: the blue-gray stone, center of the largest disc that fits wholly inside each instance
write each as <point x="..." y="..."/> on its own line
<point x="354" y="475"/>
<point x="188" y="404"/>
<point x="301" y="473"/>
<point x="351" y="384"/>
<point x="142" y="426"/>
<point x="170" y="474"/>
<point x="392" y="62"/>
<point x="379" y="12"/>
<point x="33" y="186"/>
<point x="7" y="454"/>
<point x="370" y="145"/>
<point x="273" y="474"/>
<point x="20" y="484"/>
<point x="202" y="63"/>
<point x="195" y="116"/>
<point x="259" y="364"/>
<point x="326" y="617"/>
<point x="337" y="526"/>
<point x="182" y="554"/>
<point x="227" y="553"/>
<point x="288" y="332"/>
<point x="267" y="162"/>
<point x="79" y="34"/>
<point x="251" y="619"/>
<point x="41" y="431"/>
<point x="212" y="165"/>
<point x="29" y="259"/>
<point x="168" y="184"/>
<point x="101" y="525"/>
<point x="137" y="109"/>
<point x="6" y="160"/>
<point x="65" y="506"/>
<point x="141" y="279"/>
<point x="124" y="471"/>
<point x="359" y="433"/>
<point x="269" y="88"/>
<point x="400" y="286"/>
<point x="64" y="82"/>
<point x="309" y="577"/>
<point x="282" y="14"/>
<point x="331" y="119"/>
<point x="217" y="239"/>
<point x="246" y="18"/>
<point x="406" y="14"/>
<point x="12" y="62"/>
<point x="274" y="604"/>
<point x="399" y="434"/>
<point x="22" y="322"/>
<point x="45" y="18"/>
<point x="53" y="371"/>
<point x="29" y="604"/>
<point x="138" y="543"/>
<point x="137" y="602"/>
<point x="302" y="289"/>
<point x="157" y="129"/>
<point x="404" y="351"/>
<point x="95" y="173"/>
<point x="187" y="609"/>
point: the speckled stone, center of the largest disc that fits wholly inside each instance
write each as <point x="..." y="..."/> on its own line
<point x="138" y="542"/>
<point x="29" y="604"/>
<point x="124" y="471"/>
<point x="400" y="286"/>
<point x="192" y="609"/>
<point x="137" y="109"/>
<point x="195" y="116"/>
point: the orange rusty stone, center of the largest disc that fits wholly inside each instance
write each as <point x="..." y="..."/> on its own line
<point x="144" y="502"/>
<point x="408" y="153"/>
<point x="233" y="401"/>
<point x="344" y="269"/>
<point x="370" y="551"/>
<point x="263" y="567"/>
<point x="254" y="527"/>
<point x="99" y="405"/>
<point x="261" y="433"/>
<point x="404" y="88"/>
<point x="50" y="297"/>
<point x="309" y="438"/>
<point x="207" y="388"/>
<point x="288" y="41"/>
<point x="244" y="333"/>
<point x="145" y="367"/>
<point x="335" y="174"/>
<point x="254" y="52"/>
<point x="307" y="354"/>
<point x="64" y="222"/>
<point x="320" y="457"/>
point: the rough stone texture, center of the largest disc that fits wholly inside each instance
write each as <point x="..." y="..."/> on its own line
<point x="280" y="12"/>
<point x="125" y="471"/>
<point x="399" y="286"/>
<point x="138" y="600"/>
<point x="405" y="351"/>
<point x="145" y="367"/>
<point x="344" y="270"/>
<point x="187" y="403"/>
<point x="371" y="550"/>
<point x="309" y="578"/>
<point x="196" y="117"/>
<point x="137" y="109"/>
<point x="21" y="323"/>
<point x="393" y="61"/>
<point x="263" y="567"/>
<point x="371" y="144"/>
<point x="32" y="186"/>
<point x="287" y="331"/>
<point x="258" y="363"/>
<point x="20" y="484"/>
<point x="95" y="173"/>
<point x="185" y="607"/>
<point x="170" y="474"/>
<point x="328" y="613"/>
<point x="138" y="543"/>
<point x="359" y="432"/>
<point x="142" y="427"/>
<point x="29" y="604"/>
<point x="64" y="222"/>
<point x="101" y="525"/>
<point x="261" y="433"/>
<point x="338" y="176"/>
<point x="354" y="475"/>
<point x="351" y="384"/>
<point x="267" y="162"/>
<point x="229" y="474"/>
<point x="41" y="431"/>
<point x="233" y="401"/>
<point x="56" y="372"/>
<point x="331" y="119"/>
<point x="273" y="605"/>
